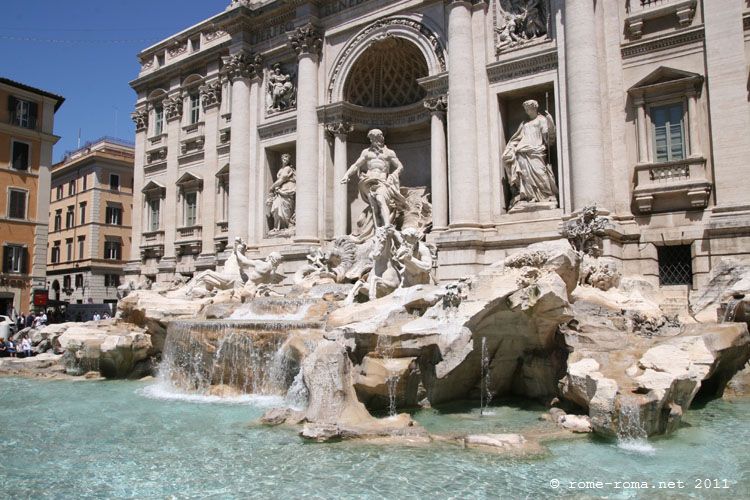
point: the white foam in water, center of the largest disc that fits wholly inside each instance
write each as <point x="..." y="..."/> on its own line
<point x="641" y="446"/>
<point x="249" y="315"/>
<point x="165" y="391"/>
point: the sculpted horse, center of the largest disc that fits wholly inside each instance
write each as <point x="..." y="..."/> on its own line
<point x="384" y="275"/>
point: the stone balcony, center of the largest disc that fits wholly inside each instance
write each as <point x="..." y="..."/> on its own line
<point x="674" y="185"/>
<point x="188" y="234"/>
<point x="641" y="11"/>
<point x="152" y="244"/>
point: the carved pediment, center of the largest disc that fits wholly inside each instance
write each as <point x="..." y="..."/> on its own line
<point x="154" y="188"/>
<point x="188" y="180"/>
<point x="665" y="79"/>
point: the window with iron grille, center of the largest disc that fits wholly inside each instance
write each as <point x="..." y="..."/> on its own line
<point x="675" y="265"/>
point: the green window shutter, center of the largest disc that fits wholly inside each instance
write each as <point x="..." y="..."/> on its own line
<point x="7" y="258"/>
<point x="33" y="114"/>
<point x="25" y="261"/>
<point x="12" y="103"/>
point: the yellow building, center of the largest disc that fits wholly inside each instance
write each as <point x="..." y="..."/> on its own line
<point x="27" y="119"/>
<point x="90" y="222"/>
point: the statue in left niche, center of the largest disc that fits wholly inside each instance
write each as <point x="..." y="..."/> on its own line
<point x="282" y="194"/>
<point x="282" y="94"/>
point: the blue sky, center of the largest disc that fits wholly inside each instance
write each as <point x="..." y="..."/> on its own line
<point x="85" y="50"/>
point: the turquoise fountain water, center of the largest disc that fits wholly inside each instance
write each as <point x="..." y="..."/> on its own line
<point x="117" y="439"/>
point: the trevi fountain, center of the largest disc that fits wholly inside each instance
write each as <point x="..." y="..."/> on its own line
<point x="369" y="366"/>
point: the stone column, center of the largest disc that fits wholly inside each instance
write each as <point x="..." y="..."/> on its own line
<point x="140" y="117"/>
<point x="462" y="118"/>
<point x="173" y="114"/>
<point x="242" y="68"/>
<point x="642" y="125"/>
<point x="438" y="161"/>
<point x="727" y="89"/>
<point x="210" y="95"/>
<point x="339" y="131"/>
<point x="694" y="121"/>
<point x="307" y="42"/>
<point x="588" y="183"/>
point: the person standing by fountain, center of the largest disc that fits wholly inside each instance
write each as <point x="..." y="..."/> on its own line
<point x="379" y="171"/>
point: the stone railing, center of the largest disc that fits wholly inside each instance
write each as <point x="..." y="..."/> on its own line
<point x="222" y="226"/>
<point x="673" y="185"/>
<point x="189" y="233"/>
<point x="152" y="243"/>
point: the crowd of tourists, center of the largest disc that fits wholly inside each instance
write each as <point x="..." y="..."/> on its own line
<point x="18" y="349"/>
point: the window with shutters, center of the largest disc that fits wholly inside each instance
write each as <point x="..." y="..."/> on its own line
<point x="79" y="281"/>
<point x="68" y="249"/>
<point x="14" y="259"/>
<point x="83" y="180"/>
<point x="112" y="250"/>
<point x="111" y="280"/>
<point x="153" y="214"/>
<point x="668" y="132"/>
<point x="114" y="215"/>
<point x="114" y="182"/>
<point x="82" y="213"/>
<point x="81" y="246"/>
<point x="70" y="217"/>
<point x="59" y="192"/>
<point x="191" y="208"/>
<point x="55" y="257"/>
<point x="58" y="220"/>
<point x="71" y="188"/>
<point x="20" y="156"/>
<point x="66" y="283"/>
<point x="22" y="113"/>
<point x="16" y="204"/>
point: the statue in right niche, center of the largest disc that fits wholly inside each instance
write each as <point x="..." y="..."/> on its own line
<point x="526" y="159"/>
<point x="282" y="194"/>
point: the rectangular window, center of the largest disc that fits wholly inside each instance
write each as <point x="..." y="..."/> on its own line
<point x="55" y="258"/>
<point x="191" y="208"/>
<point x="111" y="280"/>
<point x="114" y="215"/>
<point x="72" y="188"/>
<point x="23" y="113"/>
<point x="68" y="249"/>
<point x="16" y="204"/>
<point x="66" y="282"/>
<point x="79" y="280"/>
<point x="14" y="259"/>
<point x="20" y="156"/>
<point x="158" y="121"/>
<point x="81" y="246"/>
<point x="84" y="182"/>
<point x="669" y="132"/>
<point x="58" y="220"/>
<point x="70" y="220"/>
<point x="59" y="192"/>
<point x="114" y="182"/>
<point x="112" y="250"/>
<point x="153" y="220"/>
<point x="195" y="108"/>
<point x="82" y="213"/>
<point x="675" y="265"/>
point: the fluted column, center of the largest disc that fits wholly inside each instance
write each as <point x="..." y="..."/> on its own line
<point x="588" y="180"/>
<point x="340" y="130"/>
<point x="140" y="118"/>
<point x="438" y="161"/>
<point x="173" y="114"/>
<point x="307" y="42"/>
<point x="210" y="95"/>
<point x="462" y="118"/>
<point x="242" y="68"/>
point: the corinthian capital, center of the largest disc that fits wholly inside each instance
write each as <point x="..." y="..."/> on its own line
<point x="306" y="39"/>
<point x="172" y="107"/>
<point x="140" y="118"/>
<point x="437" y="104"/>
<point x="210" y="94"/>
<point x="339" y="128"/>
<point x="243" y="65"/>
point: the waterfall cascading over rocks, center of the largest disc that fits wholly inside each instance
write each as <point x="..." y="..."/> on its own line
<point x="248" y="357"/>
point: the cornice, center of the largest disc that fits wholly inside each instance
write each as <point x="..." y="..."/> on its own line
<point x="680" y="38"/>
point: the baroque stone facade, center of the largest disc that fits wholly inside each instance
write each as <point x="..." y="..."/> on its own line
<point x="640" y="109"/>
